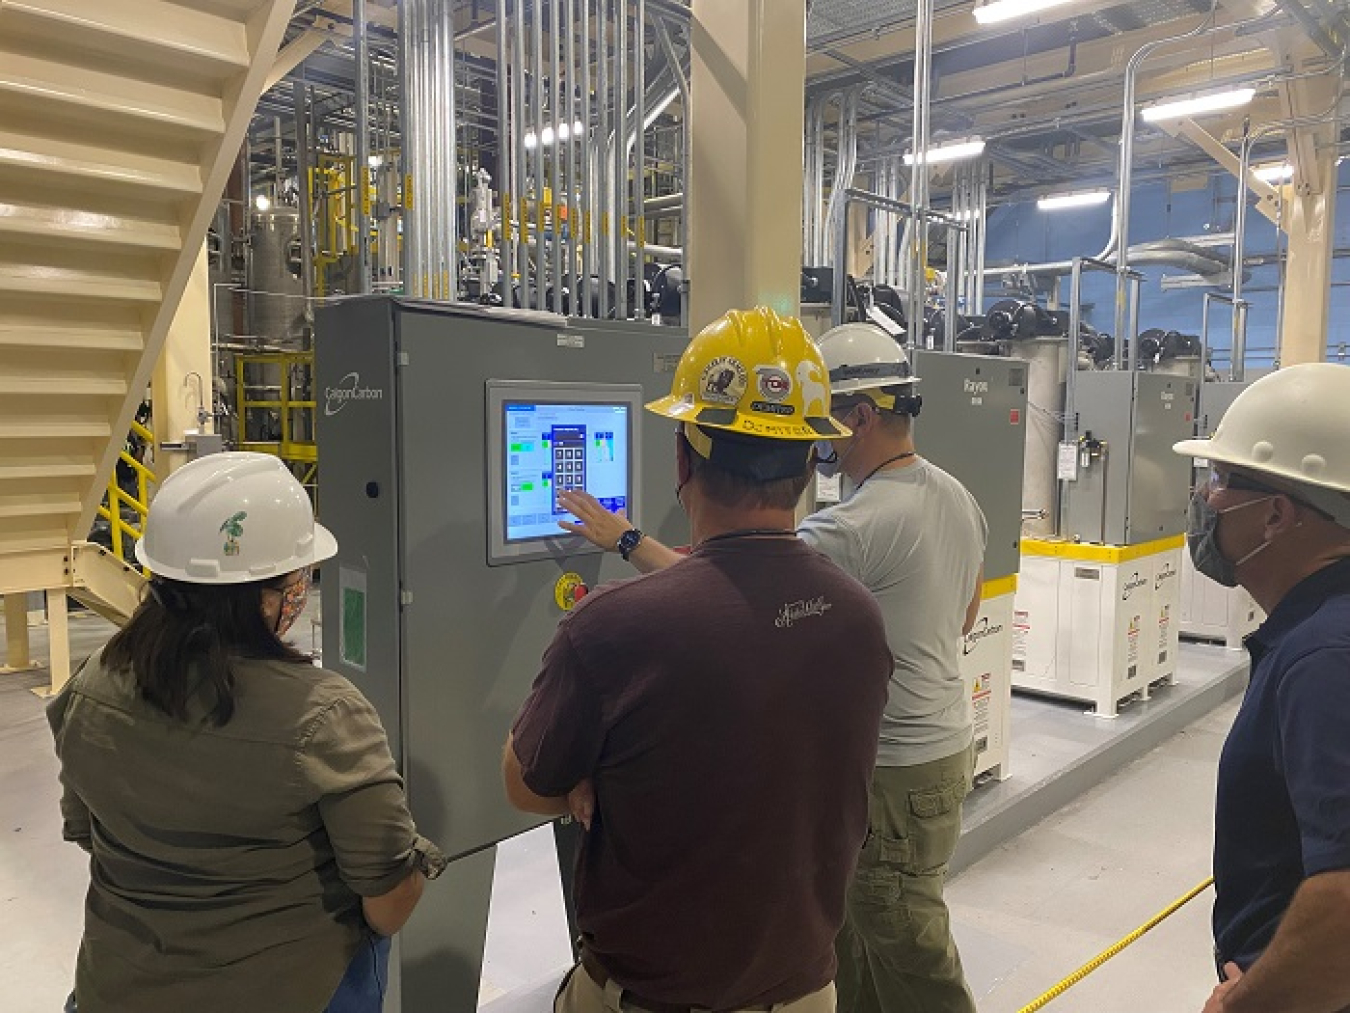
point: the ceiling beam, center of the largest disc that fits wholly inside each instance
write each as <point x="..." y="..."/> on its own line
<point x="1267" y="196"/>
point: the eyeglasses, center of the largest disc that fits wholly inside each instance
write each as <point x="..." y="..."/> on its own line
<point x="843" y="409"/>
<point x="1237" y="482"/>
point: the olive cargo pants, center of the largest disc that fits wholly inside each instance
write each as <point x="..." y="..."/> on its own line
<point x="896" y="951"/>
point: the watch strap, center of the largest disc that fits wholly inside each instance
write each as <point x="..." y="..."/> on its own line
<point x="629" y="541"/>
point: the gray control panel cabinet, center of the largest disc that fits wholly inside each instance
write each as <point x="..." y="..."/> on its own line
<point x="1215" y="399"/>
<point x="445" y="645"/>
<point x="973" y="426"/>
<point x="1139" y="490"/>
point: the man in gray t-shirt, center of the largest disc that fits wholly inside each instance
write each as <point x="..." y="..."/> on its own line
<point x="915" y="537"/>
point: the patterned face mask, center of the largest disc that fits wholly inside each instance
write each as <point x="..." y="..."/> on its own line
<point x="294" y="598"/>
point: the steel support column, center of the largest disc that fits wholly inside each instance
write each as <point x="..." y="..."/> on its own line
<point x="1307" y="283"/>
<point x="747" y="94"/>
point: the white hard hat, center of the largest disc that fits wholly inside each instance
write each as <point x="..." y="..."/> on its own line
<point x="861" y="356"/>
<point x="230" y="519"/>
<point x="1293" y="425"/>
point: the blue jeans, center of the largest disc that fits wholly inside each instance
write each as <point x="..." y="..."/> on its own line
<point x="363" y="986"/>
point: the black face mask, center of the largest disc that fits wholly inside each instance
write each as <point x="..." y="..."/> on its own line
<point x="1202" y="539"/>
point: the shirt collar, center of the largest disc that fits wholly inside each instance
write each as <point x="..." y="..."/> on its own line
<point x="1302" y="601"/>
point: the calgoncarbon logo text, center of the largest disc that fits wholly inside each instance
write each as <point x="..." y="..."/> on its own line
<point x="348" y="389"/>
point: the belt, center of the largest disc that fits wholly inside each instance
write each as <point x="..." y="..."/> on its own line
<point x="601" y="977"/>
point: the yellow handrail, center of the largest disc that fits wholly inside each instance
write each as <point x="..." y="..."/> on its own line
<point x="118" y="528"/>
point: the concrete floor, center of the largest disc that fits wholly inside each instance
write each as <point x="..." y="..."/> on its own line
<point x="1027" y="912"/>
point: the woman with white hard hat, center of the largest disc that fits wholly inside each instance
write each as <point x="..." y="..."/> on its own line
<point x="251" y="846"/>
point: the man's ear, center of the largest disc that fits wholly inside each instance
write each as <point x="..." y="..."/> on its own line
<point x="683" y="466"/>
<point x="1282" y="515"/>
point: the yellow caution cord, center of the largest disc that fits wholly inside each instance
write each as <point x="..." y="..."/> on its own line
<point x="1107" y="954"/>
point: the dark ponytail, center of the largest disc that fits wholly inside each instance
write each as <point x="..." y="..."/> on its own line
<point x="184" y="639"/>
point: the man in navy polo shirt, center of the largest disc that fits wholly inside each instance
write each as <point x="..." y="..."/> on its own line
<point x="1275" y="518"/>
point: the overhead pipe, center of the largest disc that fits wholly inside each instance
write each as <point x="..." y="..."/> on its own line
<point x="1123" y="181"/>
<point x="1313" y="26"/>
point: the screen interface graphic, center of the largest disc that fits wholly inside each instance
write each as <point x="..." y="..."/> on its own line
<point x="550" y="448"/>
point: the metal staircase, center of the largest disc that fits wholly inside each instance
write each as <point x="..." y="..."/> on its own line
<point x="119" y="123"/>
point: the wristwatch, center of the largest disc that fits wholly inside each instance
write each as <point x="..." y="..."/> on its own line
<point x="629" y="541"/>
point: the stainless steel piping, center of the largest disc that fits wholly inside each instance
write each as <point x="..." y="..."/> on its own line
<point x="540" y="157"/>
<point x="1123" y="181"/>
<point x="587" y="175"/>
<point x="562" y="145"/>
<point x="505" y="175"/>
<point x="640" y="157"/>
<point x="360" y="218"/>
<point x="520" y="164"/>
<point x="450" y="175"/>
<point x="302" y="152"/>
<point x="605" y="246"/>
<point x="919" y="178"/>
<point x="682" y="83"/>
<point x="575" y="144"/>
<point x="619" y="152"/>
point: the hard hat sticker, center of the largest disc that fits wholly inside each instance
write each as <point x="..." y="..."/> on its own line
<point x="770" y="408"/>
<point x="723" y="381"/>
<point x="815" y="389"/>
<point x="774" y="383"/>
<point x="233" y="530"/>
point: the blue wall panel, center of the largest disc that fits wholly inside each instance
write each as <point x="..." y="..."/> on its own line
<point x="1021" y="233"/>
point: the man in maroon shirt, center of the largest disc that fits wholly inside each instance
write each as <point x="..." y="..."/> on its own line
<point x="722" y="713"/>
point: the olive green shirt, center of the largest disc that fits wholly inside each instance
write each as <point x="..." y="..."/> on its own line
<point x="227" y="864"/>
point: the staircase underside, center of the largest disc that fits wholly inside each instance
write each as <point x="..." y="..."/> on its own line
<point x="119" y="123"/>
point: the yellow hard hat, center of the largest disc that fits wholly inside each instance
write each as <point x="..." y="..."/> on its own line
<point x="753" y="373"/>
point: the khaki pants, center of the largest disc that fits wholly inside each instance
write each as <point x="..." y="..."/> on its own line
<point x="580" y="994"/>
<point x="896" y="952"/>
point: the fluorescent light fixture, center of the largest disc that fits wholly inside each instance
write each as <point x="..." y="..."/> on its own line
<point x="1281" y="173"/>
<point x="564" y="131"/>
<point x="531" y="141"/>
<point x="1005" y="10"/>
<point x="1201" y="105"/>
<point x="262" y="202"/>
<point x="376" y="161"/>
<point x="578" y="128"/>
<point x="951" y="152"/>
<point x="546" y="136"/>
<point x="1073" y="200"/>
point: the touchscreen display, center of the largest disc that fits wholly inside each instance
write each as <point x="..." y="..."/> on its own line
<point x="550" y="447"/>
